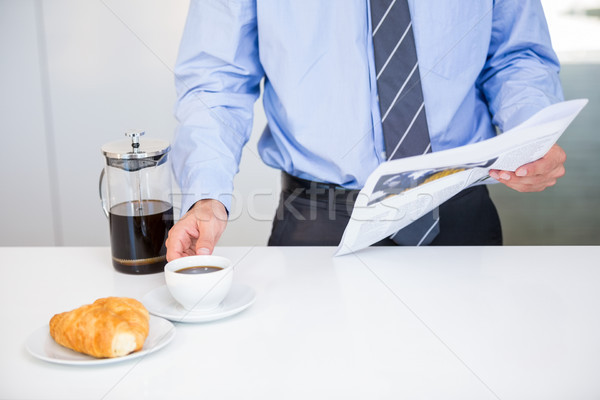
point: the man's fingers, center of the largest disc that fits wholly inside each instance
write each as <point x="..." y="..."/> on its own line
<point x="529" y="183"/>
<point x="212" y="226"/>
<point x="176" y="245"/>
<point x="535" y="176"/>
<point x="174" y="249"/>
<point x="552" y="164"/>
<point x="181" y="238"/>
<point x="198" y="231"/>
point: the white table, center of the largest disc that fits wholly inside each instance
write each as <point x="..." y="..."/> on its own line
<point x="385" y="323"/>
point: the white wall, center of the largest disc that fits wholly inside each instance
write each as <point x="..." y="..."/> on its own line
<point x="76" y="74"/>
<point x="25" y="182"/>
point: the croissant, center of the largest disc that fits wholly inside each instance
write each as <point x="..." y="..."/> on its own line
<point x="110" y="327"/>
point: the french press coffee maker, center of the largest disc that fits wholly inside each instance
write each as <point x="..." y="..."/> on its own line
<point x="137" y="202"/>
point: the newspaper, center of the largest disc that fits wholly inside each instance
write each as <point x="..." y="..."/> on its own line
<point x="400" y="191"/>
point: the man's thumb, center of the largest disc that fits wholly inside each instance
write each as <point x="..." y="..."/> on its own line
<point x="204" y="249"/>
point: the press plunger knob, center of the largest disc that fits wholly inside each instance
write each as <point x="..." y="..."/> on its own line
<point x="135" y="138"/>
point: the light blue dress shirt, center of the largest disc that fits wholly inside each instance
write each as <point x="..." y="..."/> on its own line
<point x="483" y="63"/>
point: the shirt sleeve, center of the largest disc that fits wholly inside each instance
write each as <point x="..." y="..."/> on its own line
<point x="520" y="76"/>
<point x="217" y="80"/>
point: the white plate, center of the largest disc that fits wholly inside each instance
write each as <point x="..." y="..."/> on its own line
<point x="41" y="345"/>
<point x="160" y="302"/>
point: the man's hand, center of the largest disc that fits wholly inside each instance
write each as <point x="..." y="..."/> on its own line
<point x="198" y="230"/>
<point x="535" y="176"/>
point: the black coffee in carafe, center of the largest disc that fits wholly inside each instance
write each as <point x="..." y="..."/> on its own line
<point x="138" y="231"/>
<point x="136" y="199"/>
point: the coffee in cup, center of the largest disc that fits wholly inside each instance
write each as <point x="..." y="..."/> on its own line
<point x="199" y="283"/>
<point x="198" y="270"/>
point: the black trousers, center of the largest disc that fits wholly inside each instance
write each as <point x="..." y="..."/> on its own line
<point x="316" y="214"/>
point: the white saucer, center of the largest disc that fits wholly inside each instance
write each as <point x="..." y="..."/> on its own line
<point x="160" y="302"/>
<point x="41" y="345"/>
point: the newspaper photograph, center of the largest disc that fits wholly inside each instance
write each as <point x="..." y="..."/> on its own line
<point x="400" y="191"/>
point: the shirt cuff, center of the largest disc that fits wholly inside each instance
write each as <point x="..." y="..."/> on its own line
<point x="200" y="186"/>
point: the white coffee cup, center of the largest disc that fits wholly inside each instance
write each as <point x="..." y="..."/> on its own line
<point x="199" y="291"/>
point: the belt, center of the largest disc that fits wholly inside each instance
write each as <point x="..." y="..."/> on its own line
<point x="312" y="189"/>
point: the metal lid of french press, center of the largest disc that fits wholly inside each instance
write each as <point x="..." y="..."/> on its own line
<point x="135" y="154"/>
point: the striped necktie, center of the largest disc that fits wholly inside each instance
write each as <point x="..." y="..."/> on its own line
<point x="401" y="102"/>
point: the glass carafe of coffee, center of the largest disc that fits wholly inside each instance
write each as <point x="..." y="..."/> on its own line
<point x="137" y="201"/>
